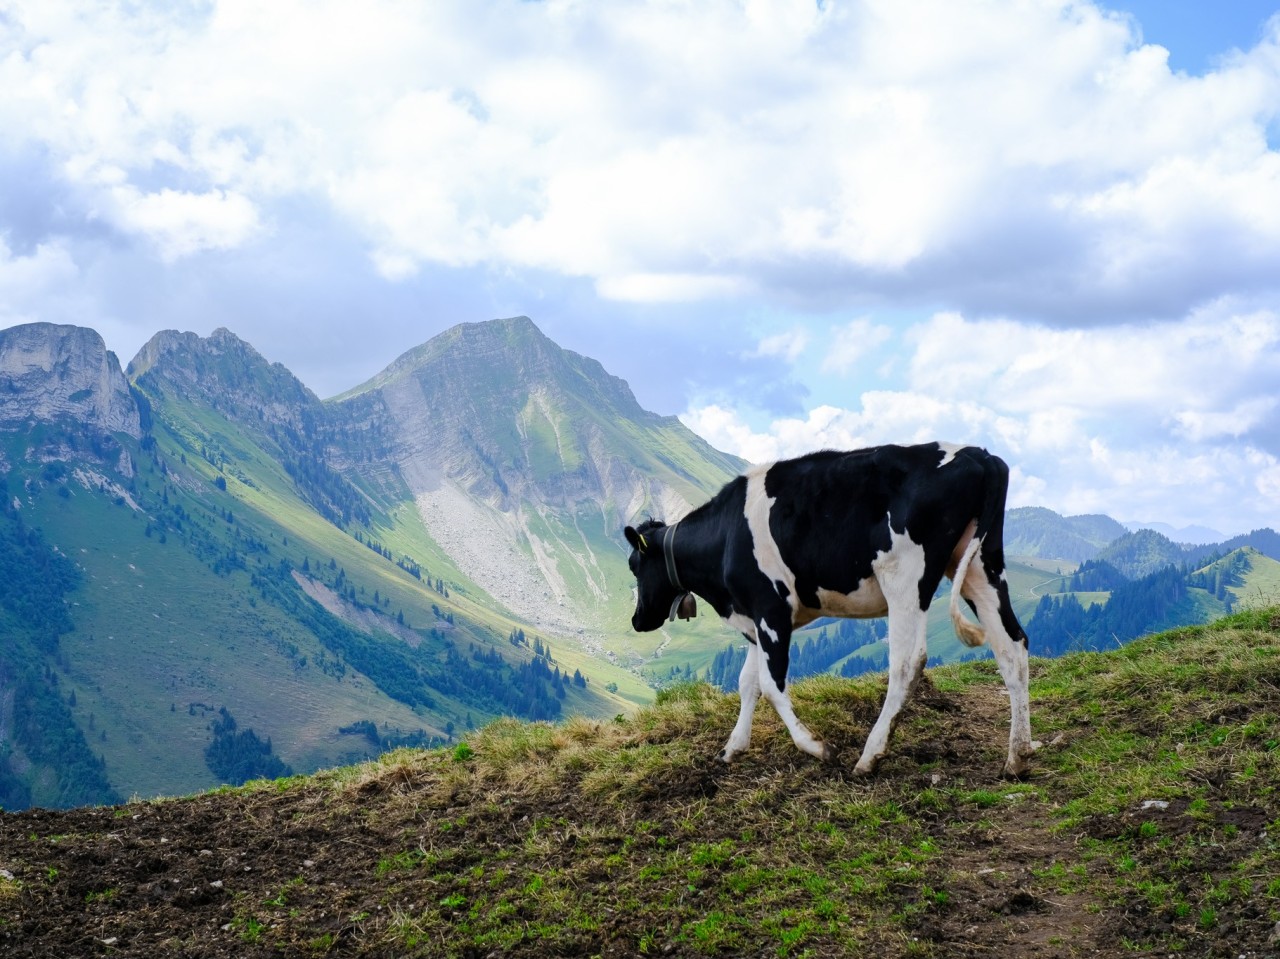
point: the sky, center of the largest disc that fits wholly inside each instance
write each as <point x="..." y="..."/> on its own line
<point x="1048" y="227"/>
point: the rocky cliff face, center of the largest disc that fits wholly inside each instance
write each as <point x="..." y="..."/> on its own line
<point x="52" y="373"/>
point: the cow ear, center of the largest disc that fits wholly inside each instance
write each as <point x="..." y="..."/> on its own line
<point x="635" y="539"/>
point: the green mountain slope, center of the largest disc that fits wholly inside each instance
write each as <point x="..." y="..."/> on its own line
<point x="224" y="565"/>
<point x="1145" y="551"/>
<point x="1038" y="532"/>
<point x="44" y="757"/>
<point x="1111" y="613"/>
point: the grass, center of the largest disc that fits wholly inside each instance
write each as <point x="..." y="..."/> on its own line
<point x="820" y="875"/>
<point x="1145" y="827"/>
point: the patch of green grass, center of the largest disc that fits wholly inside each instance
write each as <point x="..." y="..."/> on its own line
<point x="401" y="861"/>
<point x="281" y="899"/>
<point x="251" y="930"/>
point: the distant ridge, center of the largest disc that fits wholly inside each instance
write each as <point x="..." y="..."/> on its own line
<point x="1194" y="535"/>
<point x="1040" y="532"/>
<point x="1036" y="531"/>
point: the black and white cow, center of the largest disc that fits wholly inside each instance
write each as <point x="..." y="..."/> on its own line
<point x="853" y="534"/>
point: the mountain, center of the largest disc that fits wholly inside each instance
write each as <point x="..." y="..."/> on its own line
<point x="1145" y="551"/>
<point x="1099" y="607"/>
<point x="225" y="374"/>
<point x="1146" y="828"/>
<point x="1195" y="535"/>
<point x="211" y="574"/>
<point x="1266" y="541"/>
<point x="254" y="580"/>
<point x="526" y="460"/>
<point x="1038" y="532"/>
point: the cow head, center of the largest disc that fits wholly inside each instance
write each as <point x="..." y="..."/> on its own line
<point x="657" y="598"/>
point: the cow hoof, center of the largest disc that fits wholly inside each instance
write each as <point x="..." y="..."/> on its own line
<point x="830" y="754"/>
<point x="723" y="757"/>
<point x="1018" y="773"/>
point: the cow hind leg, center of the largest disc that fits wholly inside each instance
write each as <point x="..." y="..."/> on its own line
<point x="772" y="677"/>
<point x="749" y="691"/>
<point x="907" y="653"/>
<point x="1011" y="658"/>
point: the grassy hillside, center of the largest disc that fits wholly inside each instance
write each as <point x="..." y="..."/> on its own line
<point x="1145" y="828"/>
<point x="179" y="610"/>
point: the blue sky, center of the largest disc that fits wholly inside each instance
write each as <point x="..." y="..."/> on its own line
<point x="1049" y="227"/>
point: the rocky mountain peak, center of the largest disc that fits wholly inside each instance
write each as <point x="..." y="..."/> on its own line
<point x="51" y="372"/>
<point x="224" y="372"/>
<point x="506" y="359"/>
<point x="525" y="459"/>
<point x="502" y="409"/>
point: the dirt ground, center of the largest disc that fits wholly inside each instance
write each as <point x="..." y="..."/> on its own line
<point x="312" y="870"/>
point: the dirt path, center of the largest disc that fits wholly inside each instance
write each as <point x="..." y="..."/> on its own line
<point x="999" y="854"/>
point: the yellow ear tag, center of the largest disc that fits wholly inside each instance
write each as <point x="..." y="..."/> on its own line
<point x="644" y="543"/>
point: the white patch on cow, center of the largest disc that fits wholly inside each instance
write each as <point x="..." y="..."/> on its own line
<point x="899" y="570"/>
<point x="949" y="450"/>
<point x="768" y="556"/>
<point x="780" y="700"/>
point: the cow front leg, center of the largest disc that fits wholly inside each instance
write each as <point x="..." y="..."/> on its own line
<point x="749" y="691"/>
<point x="907" y="651"/>
<point x="775" y="654"/>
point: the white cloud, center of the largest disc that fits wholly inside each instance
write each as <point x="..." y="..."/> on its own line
<point x="24" y="278"/>
<point x="1141" y="372"/>
<point x="1136" y="420"/>
<point x="787" y="345"/>
<point x="28" y="282"/>
<point x="182" y="223"/>
<point x="1098" y="235"/>
<point x="1199" y="425"/>
<point x="671" y="287"/>
<point x="852" y="343"/>
<point x="869" y="145"/>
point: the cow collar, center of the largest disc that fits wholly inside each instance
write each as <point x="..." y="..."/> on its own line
<point x="684" y="605"/>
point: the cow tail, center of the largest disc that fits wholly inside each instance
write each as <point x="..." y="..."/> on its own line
<point x="988" y="539"/>
<point x="968" y="632"/>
